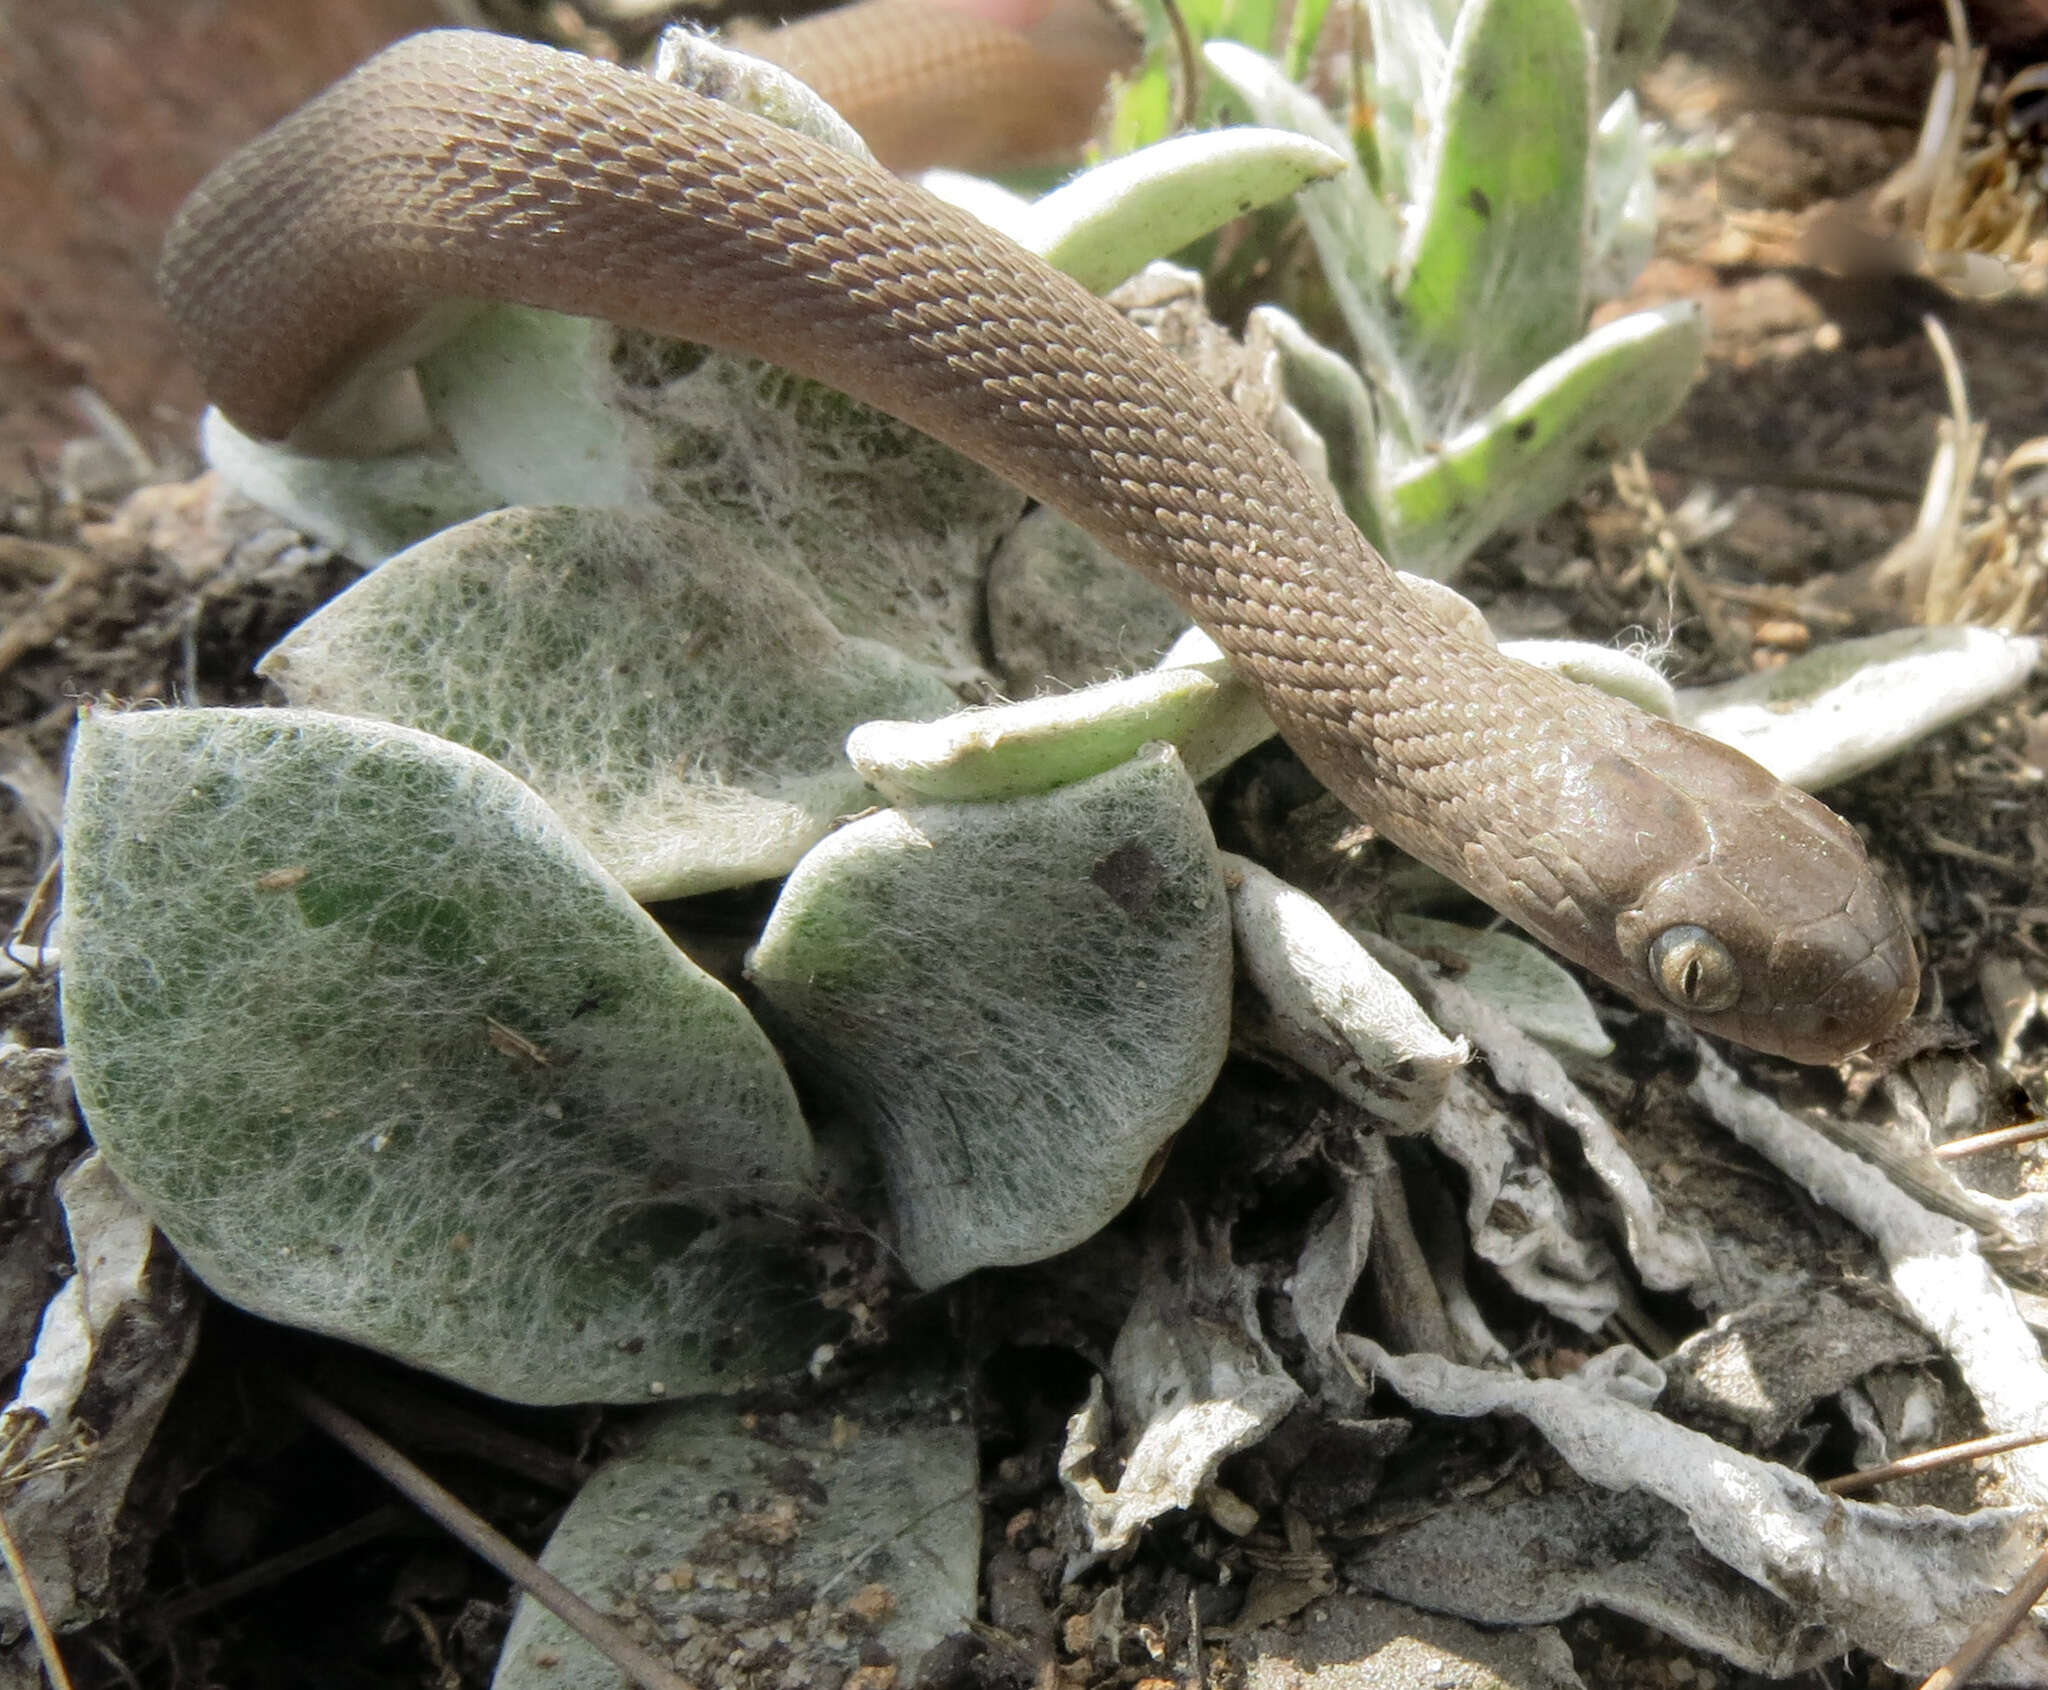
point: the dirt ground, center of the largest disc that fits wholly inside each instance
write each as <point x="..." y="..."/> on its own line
<point x="1812" y="433"/>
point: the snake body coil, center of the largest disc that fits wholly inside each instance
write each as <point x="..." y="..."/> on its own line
<point x="459" y="165"/>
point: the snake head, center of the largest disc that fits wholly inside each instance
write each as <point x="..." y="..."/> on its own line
<point x="1737" y="902"/>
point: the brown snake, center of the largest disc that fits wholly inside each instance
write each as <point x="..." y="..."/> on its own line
<point x="929" y="84"/>
<point x="469" y="166"/>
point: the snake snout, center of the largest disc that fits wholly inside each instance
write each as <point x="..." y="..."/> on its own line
<point x="1849" y="981"/>
<point x="1815" y="951"/>
<point x="1756" y="913"/>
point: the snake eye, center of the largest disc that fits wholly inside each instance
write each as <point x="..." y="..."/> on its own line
<point x="1695" y="970"/>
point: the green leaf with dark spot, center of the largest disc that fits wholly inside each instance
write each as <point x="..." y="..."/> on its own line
<point x="1489" y="284"/>
<point x="1557" y="429"/>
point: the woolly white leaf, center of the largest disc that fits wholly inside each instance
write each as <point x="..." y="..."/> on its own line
<point x="1020" y="1002"/>
<point x="387" y="1055"/>
<point x="678" y="701"/>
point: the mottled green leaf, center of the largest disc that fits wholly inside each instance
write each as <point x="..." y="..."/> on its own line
<point x="387" y="1055"/>
<point x="1490" y="279"/>
<point x="1018" y="1002"/>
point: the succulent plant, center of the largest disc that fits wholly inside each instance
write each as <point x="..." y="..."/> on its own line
<point x="1497" y="189"/>
<point x="360" y="995"/>
<point x="366" y="1005"/>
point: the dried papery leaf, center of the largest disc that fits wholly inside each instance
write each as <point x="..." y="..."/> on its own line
<point x="1501" y="1559"/>
<point x="1666" y="1256"/>
<point x="111" y="1345"/>
<point x="1936" y="1264"/>
<point x="1910" y="194"/>
<point x="1193" y="1380"/>
<point x="1903" y="1583"/>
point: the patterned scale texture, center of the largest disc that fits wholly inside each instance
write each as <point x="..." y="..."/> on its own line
<point x="616" y="196"/>
<point x="928" y="85"/>
<point x="469" y="166"/>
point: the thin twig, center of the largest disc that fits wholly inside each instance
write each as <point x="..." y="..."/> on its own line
<point x="1993" y="1629"/>
<point x="1942" y="845"/>
<point x="2025" y="1133"/>
<point x="379" y="1522"/>
<point x="115" y="1663"/>
<point x="1932" y="1460"/>
<point x="1758" y="473"/>
<point x="429" y="1423"/>
<point x="1190" y="66"/>
<point x="32" y="1605"/>
<point x="463" y="1524"/>
<point x="32" y="930"/>
<point x="113" y="430"/>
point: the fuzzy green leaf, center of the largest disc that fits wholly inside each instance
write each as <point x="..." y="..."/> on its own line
<point x="1404" y="78"/>
<point x="1545" y="439"/>
<point x="1039" y="744"/>
<point x="365" y="508"/>
<point x="1355" y="231"/>
<point x="387" y="1055"/>
<point x="1622" y="221"/>
<point x="1334" y="400"/>
<point x="527" y="399"/>
<point x="696" y="701"/>
<point x="1490" y="281"/>
<point x="1849" y="706"/>
<point x="1108" y="223"/>
<point x="1526" y="984"/>
<point x="1019" y="1002"/>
